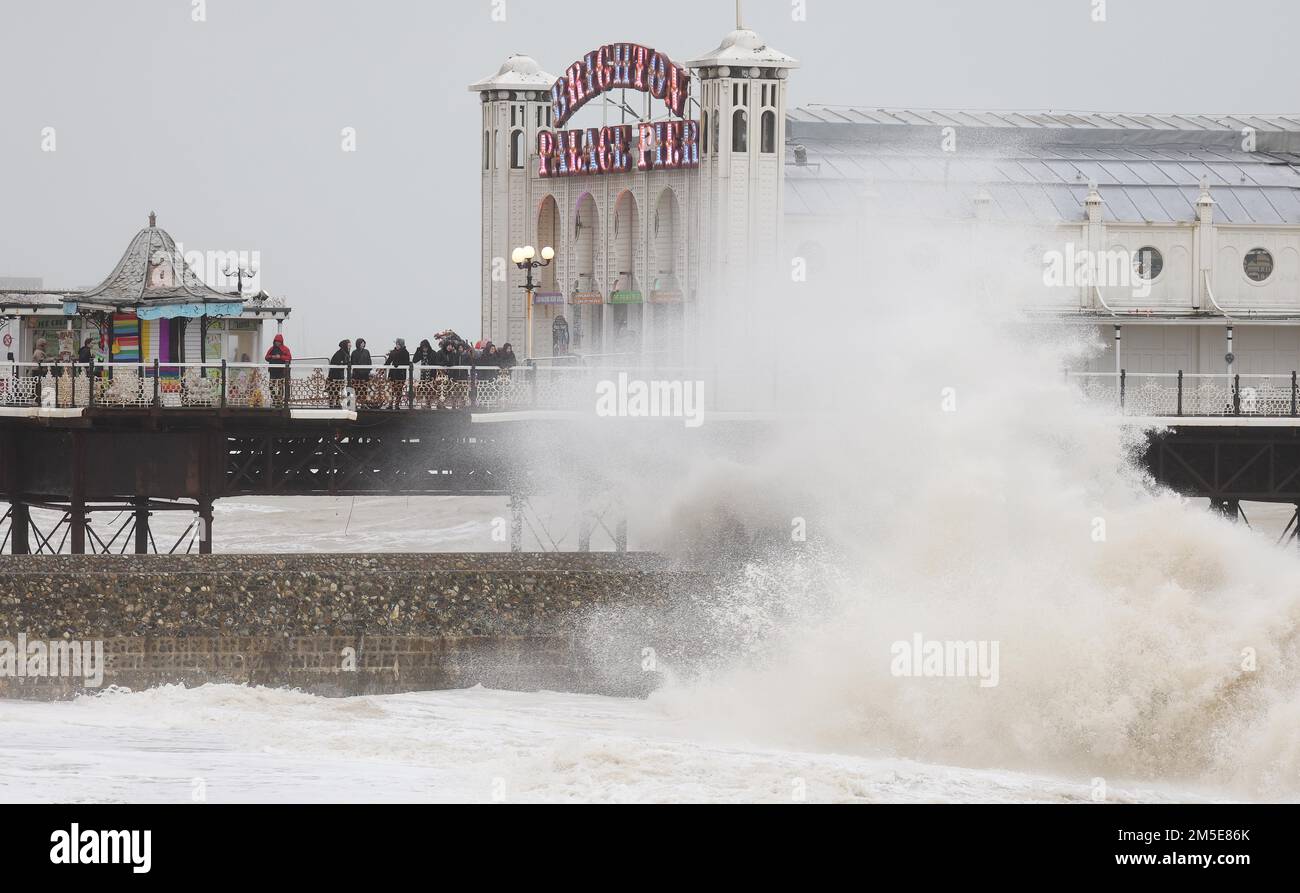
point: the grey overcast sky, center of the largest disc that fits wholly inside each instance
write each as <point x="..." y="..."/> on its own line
<point x="230" y="128"/>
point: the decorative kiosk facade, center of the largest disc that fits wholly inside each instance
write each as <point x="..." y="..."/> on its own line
<point x="152" y="306"/>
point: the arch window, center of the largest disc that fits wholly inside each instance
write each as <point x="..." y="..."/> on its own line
<point x="769" y="132"/>
<point x="516" y="149"/>
<point x="739" y="131"/>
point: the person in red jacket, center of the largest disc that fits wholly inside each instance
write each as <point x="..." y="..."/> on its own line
<point x="278" y="358"/>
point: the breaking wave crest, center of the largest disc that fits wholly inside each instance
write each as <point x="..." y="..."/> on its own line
<point x="965" y="492"/>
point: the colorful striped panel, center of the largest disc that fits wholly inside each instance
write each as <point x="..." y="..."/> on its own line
<point x="126" y="338"/>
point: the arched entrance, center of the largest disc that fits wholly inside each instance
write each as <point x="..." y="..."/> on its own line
<point x="625" y="295"/>
<point x="666" y="295"/>
<point x="548" y="299"/>
<point x="588" y="302"/>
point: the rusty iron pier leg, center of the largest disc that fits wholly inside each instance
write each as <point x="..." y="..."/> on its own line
<point x="20" y="522"/>
<point x="207" y="464"/>
<point x="77" y="509"/>
<point x="141" y="525"/>
<point x="205" y="526"/>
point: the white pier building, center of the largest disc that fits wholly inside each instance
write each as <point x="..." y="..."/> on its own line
<point x="1178" y="232"/>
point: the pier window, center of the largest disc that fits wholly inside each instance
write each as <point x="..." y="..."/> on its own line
<point x="1258" y="264"/>
<point x="704" y="133"/>
<point x="487" y="150"/>
<point x="739" y="131"/>
<point x="769" y="133"/>
<point x="517" y="149"/>
<point x="1148" y="263"/>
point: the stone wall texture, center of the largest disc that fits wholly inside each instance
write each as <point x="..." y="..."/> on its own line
<point x="335" y="624"/>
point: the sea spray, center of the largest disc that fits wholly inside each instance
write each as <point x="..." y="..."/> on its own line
<point x="962" y="488"/>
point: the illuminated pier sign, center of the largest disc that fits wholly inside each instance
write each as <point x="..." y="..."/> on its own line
<point x="662" y="145"/>
<point x="620" y="66"/>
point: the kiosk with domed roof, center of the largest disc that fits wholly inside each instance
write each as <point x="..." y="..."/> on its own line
<point x="152" y="306"/>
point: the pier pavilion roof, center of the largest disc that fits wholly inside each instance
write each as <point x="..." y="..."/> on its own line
<point x="153" y="279"/>
<point x="1037" y="166"/>
<point x="153" y="271"/>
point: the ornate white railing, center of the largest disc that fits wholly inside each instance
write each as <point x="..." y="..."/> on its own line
<point x="1173" y="394"/>
<point x="173" y="386"/>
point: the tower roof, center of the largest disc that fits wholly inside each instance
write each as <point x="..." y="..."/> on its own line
<point x="742" y="48"/>
<point x="153" y="271"/>
<point x="518" y="72"/>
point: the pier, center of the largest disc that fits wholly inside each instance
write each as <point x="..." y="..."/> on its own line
<point x="106" y="456"/>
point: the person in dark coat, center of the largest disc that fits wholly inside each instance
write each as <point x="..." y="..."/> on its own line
<point x="491" y="361"/>
<point x="278" y="358"/>
<point x="443" y="357"/>
<point x="425" y="358"/>
<point x="361" y="371"/>
<point x="338" y="362"/>
<point x="423" y="355"/>
<point x="398" y="361"/>
<point x="86" y="355"/>
<point x="506" y="359"/>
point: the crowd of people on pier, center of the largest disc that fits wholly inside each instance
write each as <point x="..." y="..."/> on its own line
<point x="384" y="383"/>
<point x="375" y="381"/>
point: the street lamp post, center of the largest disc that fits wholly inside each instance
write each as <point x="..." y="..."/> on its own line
<point x="524" y="260"/>
<point x="240" y="272"/>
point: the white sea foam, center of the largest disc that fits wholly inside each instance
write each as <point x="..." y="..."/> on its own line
<point x="239" y="744"/>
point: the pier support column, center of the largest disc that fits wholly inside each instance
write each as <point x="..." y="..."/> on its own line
<point x="77" y="508"/>
<point x="20" y="522"/>
<point x="205" y="527"/>
<point x="141" y="525"/>
<point x="620" y="534"/>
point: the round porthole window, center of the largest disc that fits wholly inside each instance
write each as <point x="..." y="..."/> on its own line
<point x="1148" y="263"/>
<point x="1258" y="264"/>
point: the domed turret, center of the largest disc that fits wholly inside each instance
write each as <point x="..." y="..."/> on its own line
<point x="743" y="92"/>
<point x="518" y="72"/>
<point x="516" y="104"/>
<point x="743" y="48"/>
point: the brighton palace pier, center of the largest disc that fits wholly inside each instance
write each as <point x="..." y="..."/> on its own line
<point x="678" y="193"/>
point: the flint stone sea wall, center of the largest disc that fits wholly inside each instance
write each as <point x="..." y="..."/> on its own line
<point x="339" y="624"/>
